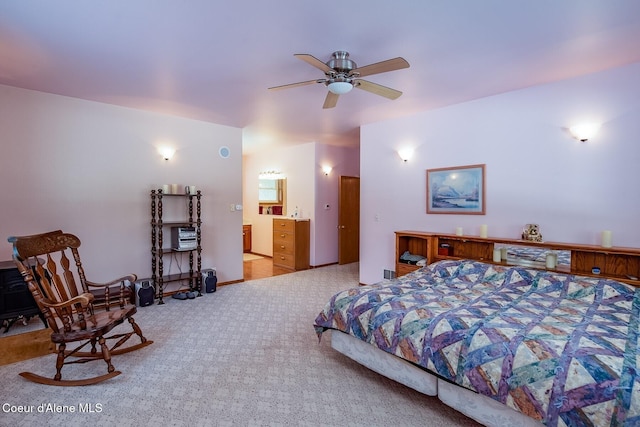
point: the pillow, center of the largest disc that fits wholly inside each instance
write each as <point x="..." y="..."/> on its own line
<point x="408" y="256"/>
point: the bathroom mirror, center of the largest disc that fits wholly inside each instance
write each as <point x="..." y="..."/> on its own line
<point x="272" y="196"/>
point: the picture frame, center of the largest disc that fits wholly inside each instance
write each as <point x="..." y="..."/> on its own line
<point x="456" y="190"/>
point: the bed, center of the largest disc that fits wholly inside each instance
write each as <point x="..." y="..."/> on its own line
<point x="504" y="345"/>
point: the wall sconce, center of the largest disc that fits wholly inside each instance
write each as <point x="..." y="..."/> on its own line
<point x="405" y="154"/>
<point x="167" y="152"/>
<point x="326" y="169"/>
<point x="584" y="131"/>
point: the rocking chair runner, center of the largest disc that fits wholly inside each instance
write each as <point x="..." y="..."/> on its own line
<point x="71" y="312"/>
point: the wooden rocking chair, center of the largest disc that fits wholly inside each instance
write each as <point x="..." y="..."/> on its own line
<point x="71" y="311"/>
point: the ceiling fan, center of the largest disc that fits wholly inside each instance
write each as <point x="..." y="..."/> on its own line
<point x="342" y="75"/>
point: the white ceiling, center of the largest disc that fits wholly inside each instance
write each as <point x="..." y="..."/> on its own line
<point x="214" y="60"/>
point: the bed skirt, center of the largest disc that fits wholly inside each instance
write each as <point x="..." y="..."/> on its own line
<point x="384" y="363"/>
<point x="476" y="406"/>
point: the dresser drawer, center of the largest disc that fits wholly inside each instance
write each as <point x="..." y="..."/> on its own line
<point x="284" y="260"/>
<point x="283" y="225"/>
<point x="283" y="247"/>
<point x="283" y="236"/>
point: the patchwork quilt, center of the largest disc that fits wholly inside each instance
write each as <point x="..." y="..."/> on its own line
<point x="562" y="349"/>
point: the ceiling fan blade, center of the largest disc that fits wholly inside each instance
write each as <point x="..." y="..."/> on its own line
<point x="308" y="82"/>
<point x="377" y="89"/>
<point x="331" y="100"/>
<point x="380" y="67"/>
<point x="312" y="60"/>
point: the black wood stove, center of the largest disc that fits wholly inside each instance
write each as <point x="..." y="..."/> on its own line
<point x="16" y="301"/>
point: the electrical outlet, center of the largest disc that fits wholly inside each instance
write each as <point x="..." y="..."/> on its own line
<point x="232" y="207"/>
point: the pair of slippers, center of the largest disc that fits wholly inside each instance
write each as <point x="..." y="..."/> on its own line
<point x="184" y="295"/>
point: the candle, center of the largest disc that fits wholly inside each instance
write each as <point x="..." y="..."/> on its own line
<point x="503" y="253"/>
<point x="606" y="239"/>
<point x="497" y="255"/>
<point x="458" y="231"/>
<point x="551" y="260"/>
<point x="483" y="230"/>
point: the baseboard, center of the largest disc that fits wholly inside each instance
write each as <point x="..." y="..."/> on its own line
<point x="323" y="265"/>
<point x="231" y="282"/>
<point x="262" y="255"/>
<point x="28" y="345"/>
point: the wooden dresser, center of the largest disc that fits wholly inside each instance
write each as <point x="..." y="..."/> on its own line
<point x="291" y="243"/>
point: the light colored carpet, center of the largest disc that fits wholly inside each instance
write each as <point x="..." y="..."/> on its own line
<point x="246" y="355"/>
<point x="250" y="257"/>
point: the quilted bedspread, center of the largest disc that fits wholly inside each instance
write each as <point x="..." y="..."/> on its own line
<point x="562" y="349"/>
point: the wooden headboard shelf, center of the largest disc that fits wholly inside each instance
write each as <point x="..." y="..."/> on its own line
<point x="618" y="263"/>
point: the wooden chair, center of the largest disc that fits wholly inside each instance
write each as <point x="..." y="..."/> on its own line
<point x="71" y="310"/>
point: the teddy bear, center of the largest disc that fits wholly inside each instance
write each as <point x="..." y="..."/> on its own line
<point x="531" y="232"/>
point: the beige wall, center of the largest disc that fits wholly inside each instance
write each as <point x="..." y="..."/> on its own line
<point x="88" y="168"/>
<point x="536" y="172"/>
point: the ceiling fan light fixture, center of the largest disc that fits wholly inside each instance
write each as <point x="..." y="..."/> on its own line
<point x="340" y="88"/>
<point x="341" y="74"/>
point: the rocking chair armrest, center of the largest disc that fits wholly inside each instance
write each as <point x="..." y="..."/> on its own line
<point x="84" y="300"/>
<point x="107" y="294"/>
<point x="129" y="277"/>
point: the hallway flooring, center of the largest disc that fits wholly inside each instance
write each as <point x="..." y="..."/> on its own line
<point x="261" y="268"/>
